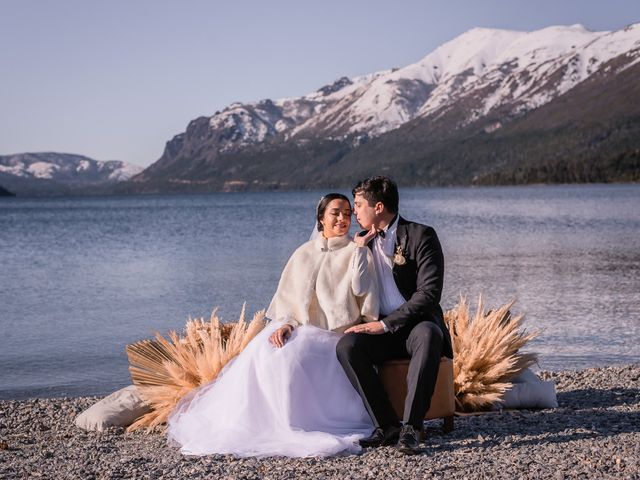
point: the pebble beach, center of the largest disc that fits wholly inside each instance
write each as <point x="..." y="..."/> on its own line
<point x="594" y="433"/>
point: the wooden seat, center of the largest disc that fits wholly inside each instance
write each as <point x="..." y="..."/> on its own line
<point x="393" y="375"/>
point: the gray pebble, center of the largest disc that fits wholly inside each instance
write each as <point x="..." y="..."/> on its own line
<point x="594" y="433"/>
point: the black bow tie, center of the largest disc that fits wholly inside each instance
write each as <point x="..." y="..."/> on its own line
<point x="381" y="234"/>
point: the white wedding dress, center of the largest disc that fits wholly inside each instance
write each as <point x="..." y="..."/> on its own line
<point x="293" y="401"/>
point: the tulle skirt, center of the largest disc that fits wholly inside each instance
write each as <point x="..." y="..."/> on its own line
<point x="294" y="401"/>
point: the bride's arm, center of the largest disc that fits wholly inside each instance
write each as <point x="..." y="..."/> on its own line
<point x="360" y="271"/>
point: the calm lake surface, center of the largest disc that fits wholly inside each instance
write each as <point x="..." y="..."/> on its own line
<point x="82" y="277"/>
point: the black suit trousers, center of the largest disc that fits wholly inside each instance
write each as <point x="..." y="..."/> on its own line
<point x="360" y="354"/>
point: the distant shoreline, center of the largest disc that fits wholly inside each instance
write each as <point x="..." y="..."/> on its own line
<point x="60" y="195"/>
<point x="593" y="433"/>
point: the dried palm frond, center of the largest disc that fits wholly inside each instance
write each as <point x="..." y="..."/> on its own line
<point x="165" y="370"/>
<point x="487" y="355"/>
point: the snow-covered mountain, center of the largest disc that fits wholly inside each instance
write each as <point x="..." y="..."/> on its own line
<point x="489" y="104"/>
<point x="52" y="172"/>
<point x="487" y="69"/>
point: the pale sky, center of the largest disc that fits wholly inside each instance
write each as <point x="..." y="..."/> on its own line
<point x="117" y="79"/>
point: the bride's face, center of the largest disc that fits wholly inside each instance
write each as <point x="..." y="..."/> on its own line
<point x="336" y="219"/>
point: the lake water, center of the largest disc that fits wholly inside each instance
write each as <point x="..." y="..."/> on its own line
<point x="82" y="277"/>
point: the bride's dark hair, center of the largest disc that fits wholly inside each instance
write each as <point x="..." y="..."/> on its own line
<point x="322" y="206"/>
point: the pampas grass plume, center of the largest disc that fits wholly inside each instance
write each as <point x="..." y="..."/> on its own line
<point x="165" y="370"/>
<point x="486" y="353"/>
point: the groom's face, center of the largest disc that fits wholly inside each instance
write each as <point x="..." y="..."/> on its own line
<point x="366" y="214"/>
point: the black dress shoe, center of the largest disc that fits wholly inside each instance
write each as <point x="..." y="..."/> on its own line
<point x="409" y="440"/>
<point x="379" y="437"/>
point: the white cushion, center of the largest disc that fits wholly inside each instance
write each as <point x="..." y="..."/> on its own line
<point x="120" y="409"/>
<point x="526" y="376"/>
<point x="529" y="391"/>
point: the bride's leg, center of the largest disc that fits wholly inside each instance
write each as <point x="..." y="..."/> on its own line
<point x="319" y="395"/>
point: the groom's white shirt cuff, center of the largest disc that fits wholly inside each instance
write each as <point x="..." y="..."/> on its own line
<point x="384" y="325"/>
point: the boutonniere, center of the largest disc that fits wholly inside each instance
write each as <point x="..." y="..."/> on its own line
<point x="398" y="258"/>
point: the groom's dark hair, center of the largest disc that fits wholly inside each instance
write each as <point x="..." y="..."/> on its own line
<point x="379" y="189"/>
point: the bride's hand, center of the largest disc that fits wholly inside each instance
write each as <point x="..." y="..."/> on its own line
<point x="365" y="239"/>
<point x="280" y="336"/>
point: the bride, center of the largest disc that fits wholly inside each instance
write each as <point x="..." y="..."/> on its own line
<point x="286" y="393"/>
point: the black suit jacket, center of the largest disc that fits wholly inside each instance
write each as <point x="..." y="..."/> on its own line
<point x="419" y="280"/>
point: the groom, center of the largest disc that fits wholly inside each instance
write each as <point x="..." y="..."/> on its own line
<point x="410" y="269"/>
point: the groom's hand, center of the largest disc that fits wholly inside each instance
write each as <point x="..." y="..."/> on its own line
<point x="372" y="328"/>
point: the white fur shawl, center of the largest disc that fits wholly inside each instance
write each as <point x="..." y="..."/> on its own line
<point x="330" y="284"/>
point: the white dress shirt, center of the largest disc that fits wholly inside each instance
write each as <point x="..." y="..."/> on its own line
<point x="383" y="252"/>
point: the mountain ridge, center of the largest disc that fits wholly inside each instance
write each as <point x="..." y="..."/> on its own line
<point x="54" y="173"/>
<point x="453" y="96"/>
